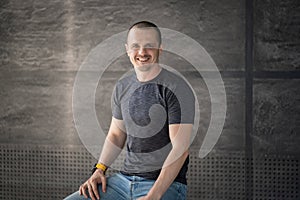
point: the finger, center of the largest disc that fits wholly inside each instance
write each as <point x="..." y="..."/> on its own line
<point x="95" y="190"/>
<point x="83" y="190"/>
<point x="80" y="193"/>
<point x="103" y="181"/>
<point x="92" y="196"/>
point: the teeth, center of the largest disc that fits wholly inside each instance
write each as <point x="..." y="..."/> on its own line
<point x="143" y="59"/>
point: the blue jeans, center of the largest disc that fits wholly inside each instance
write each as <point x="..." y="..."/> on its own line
<point x="121" y="187"/>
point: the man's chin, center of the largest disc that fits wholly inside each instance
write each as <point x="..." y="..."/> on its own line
<point x="144" y="67"/>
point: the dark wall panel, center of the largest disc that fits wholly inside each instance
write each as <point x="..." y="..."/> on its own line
<point x="276" y="117"/>
<point x="277" y="41"/>
<point x="275" y="136"/>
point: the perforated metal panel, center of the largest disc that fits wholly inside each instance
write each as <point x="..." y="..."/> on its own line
<point x="53" y="172"/>
<point x="216" y="177"/>
<point x="42" y="172"/>
<point x="224" y="177"/>
<point x="276" y="177"/>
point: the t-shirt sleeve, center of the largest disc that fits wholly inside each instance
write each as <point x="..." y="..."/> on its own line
<point x="181" y="105"/>
<point x="116" y="105"/>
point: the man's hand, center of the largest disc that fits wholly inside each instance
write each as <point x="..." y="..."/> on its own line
<point x="92" y="185"/>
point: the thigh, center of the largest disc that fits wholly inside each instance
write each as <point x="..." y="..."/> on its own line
<point x="116" y="188"/>
<point x="141" y="187"/>
<point x="75" y="196"/>
<point x="177" y="191"/>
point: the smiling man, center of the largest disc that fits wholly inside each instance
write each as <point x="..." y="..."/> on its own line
<point x="153" y="114"/>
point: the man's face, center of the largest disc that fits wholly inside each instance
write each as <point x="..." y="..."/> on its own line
<point x="143" y="48"/>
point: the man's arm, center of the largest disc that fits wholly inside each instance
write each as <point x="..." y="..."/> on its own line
<point x="180" y="137"/>
<point x="114" y="142"/>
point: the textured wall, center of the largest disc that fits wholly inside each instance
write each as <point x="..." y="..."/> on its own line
<point x="276" y="100"/>
<point x="276" y="90"/>
<point x="43" y="43"/>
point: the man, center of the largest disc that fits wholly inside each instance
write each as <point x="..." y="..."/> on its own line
<point x="153" y="114"/>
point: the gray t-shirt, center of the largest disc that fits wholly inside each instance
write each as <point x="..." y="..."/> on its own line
<point x="147" y="109"/>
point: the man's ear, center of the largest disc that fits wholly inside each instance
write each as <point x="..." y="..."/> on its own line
<point x="160" y="49"/>
<point x="126" y="47"/>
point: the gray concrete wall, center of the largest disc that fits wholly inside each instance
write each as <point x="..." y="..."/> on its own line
<point x="43" y="44"/>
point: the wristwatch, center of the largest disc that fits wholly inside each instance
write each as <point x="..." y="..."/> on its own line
<point x="99" y="166"/>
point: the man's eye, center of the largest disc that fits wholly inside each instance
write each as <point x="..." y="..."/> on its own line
<point x="149" y="46"/>
<point x="135" y="46"/>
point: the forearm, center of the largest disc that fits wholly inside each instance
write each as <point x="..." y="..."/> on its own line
<point x="114" y="142"/>
<point x="180" y="138"/>
<point x="167" y="175"/>
<point x="111" y="149"/>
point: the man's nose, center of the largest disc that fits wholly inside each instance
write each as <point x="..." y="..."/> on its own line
<point x="142" y="50"/>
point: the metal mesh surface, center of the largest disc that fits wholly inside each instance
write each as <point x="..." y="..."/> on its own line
<point x="53" y="172"/>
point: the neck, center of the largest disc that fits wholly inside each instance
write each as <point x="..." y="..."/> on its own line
<point x="149" y="74"/>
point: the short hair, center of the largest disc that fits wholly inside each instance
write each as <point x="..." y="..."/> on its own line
<point x="146" y="24"/>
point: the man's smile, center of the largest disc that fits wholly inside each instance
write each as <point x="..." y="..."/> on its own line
<point x="143" y="59"/>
